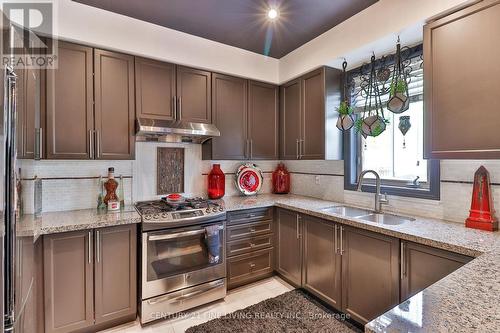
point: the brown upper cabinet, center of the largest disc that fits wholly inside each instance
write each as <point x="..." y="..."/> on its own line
<point x="90" y="105"/>
<point x="461" y="84"/>
<point x="194" y="95"/>
<point x="307" y="103"/>
<point x="114" y="106"/>
<point x="246" y="113"/>
<point x="155" y="89"/>
<point x="171" y="92"/>
<point x="30" y="113"/>
<point x="70" y="112"/>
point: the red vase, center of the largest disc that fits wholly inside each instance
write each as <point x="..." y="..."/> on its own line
<point x="216" y="182"/>
<point x="281" y="180"/>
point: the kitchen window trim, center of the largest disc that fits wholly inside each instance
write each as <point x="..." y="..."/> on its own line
<point x="351" y="172"/>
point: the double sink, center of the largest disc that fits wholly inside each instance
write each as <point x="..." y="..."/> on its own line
<point x="367" y="215"/>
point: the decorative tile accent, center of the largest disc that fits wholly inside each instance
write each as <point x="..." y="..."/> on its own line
<point x="170" y="170"/>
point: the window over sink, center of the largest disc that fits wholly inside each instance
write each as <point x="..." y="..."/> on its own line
<point x="397" y="158"/>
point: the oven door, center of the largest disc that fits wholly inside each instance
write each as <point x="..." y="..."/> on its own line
<point x="183" y="257"/>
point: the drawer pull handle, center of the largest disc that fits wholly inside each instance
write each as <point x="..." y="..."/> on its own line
<point x="252" y="244"/>
<point x="251" y="215"/>
<point x="252" y="265"/>
<point x="252" y="229"/>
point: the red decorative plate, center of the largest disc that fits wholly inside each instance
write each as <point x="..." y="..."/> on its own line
<point x="249" y="179"/>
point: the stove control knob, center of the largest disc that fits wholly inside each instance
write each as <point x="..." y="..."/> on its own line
<point x="214" y="209"/>
<point x="156" y="216"/>
<point x="207" y="210"/>
<point x="164" y="215"/>
<point x="221" y="209"/>
<point x="147" y="217"/>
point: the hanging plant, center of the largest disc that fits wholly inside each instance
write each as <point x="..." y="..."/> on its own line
<point x="345" y="120"/>
<point x="399" y="100"/>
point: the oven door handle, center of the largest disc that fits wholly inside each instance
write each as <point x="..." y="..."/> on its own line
<point x="179" y="234"/>
<point x="184" y="297"/>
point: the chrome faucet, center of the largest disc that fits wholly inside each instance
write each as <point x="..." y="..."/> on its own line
<point x="379" y="199"/>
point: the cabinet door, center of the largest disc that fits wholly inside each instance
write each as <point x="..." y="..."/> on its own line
<point x="155" y="89"/>
<point x="289" y="249"/>
<point x="461" y="84"/>
<point x="322" y="262"/>
<point x="114" y="105"/>
<point x="290" y="122"/>
<point x="115" y="273"/>
<point x="68" y="281"/>
<point x="263" y="120"/>
<point x="421" y="266"/>
<point x="69" y="104"/>
<point x="370" y="273"/>
<point x="193" y="93"/>
<point x="229" y="105"/>
<point x="313" y="116"/>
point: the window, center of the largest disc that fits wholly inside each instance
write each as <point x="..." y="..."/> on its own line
<point x="396" y="158"/>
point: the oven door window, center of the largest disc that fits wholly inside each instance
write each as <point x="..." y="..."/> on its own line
<point x="181" y="252"/>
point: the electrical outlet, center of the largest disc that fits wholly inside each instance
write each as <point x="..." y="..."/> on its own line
<point x="317" y="180"/>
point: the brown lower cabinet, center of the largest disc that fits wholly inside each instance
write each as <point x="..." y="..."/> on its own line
<point x="322" y="269"/>
<point x="90" y="279"/>
<point x="422" y="265"/>
<point x="370" y="273"/>
<point x="249" y="246"/>
<point x="289" y="249"/>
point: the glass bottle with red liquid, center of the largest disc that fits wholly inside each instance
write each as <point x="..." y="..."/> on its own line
<point x="216" y="182"/>
<point x="281" y="180"/>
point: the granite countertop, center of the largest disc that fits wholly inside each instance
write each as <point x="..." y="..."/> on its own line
<point x="464" y="301"/>
<point x="82" y="219"/>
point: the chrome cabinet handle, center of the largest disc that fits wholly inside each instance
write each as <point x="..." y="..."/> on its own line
<point x="252" y="245"/>
<point x="252" y="265"/>
<point x="301" y="148"/>
<point x="174" y="107"/>
<point x="98" y="245"/>
<point x="336" y="239"/>
<point x="89" y="247"/>
<point x="98" y="143"/>
<point x="402" y="261"/>
<point x="250" y="215"/>
<point x="341" y="240"/>
<point x="179" y="234"/>
<point x="298" y="226"/>
<point x="91" y="144"/>
<point x="186" y="296"/>
<point x="297" y="148"/>
<point x="180" y="108"/>
<point x="252" y="230"/>
<point x="38" y="144"/>
<point x="251" y="148"/>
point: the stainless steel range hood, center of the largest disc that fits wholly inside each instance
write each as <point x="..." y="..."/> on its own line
<point x="148" y="129"/>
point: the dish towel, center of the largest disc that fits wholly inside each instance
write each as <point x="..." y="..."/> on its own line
<point x="212" y="241"/>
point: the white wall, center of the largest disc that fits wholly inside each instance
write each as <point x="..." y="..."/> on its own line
<point x="80" y="23"/>
<point x="382" y="21"/>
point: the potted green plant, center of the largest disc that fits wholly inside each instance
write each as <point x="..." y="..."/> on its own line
<point x="345" y="120"/>
<point x="398" y="101"/>
<point x="373" y="125"/>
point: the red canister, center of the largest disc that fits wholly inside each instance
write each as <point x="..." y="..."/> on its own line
<point x="216" y="182"/>
<point x="281" y="180"/>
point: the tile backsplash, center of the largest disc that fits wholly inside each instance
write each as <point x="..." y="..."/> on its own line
<point x="71" y="185"/>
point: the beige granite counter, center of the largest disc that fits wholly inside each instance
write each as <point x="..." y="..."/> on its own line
<point x="465" y="301"/>
<point x="55" y="222"/>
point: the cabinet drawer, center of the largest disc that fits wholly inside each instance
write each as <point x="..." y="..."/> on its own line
<point x="249" y="244"/>
<point x="248" y="230"/>
<point x="249" y="267"/>
<point x="249" y="215"/>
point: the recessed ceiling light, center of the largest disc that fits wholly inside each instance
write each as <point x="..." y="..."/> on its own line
<point x="272" y="14"/>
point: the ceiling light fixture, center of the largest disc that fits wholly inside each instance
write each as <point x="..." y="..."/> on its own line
<point x="272" y="14"/>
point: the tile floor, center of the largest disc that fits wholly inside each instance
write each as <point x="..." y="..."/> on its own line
<point x="236" y="299"/>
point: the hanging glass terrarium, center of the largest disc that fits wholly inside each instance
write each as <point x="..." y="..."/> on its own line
<point x="399" y="100"/>
<point x="345" y="120"/>
<point x="373" y="122"/>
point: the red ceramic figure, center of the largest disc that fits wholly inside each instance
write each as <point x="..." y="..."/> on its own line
<point x="481" y="211"/>
<point x="216" y="182"/>
<point x="281" y="180"/>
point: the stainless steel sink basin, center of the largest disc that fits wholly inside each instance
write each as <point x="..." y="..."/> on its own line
<point x="347" y="211"/>
<point x="386" y="218"/>
<point x="368" y="215"/>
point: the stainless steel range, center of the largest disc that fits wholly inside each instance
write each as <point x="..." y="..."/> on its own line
<point x="183" y="255"/>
